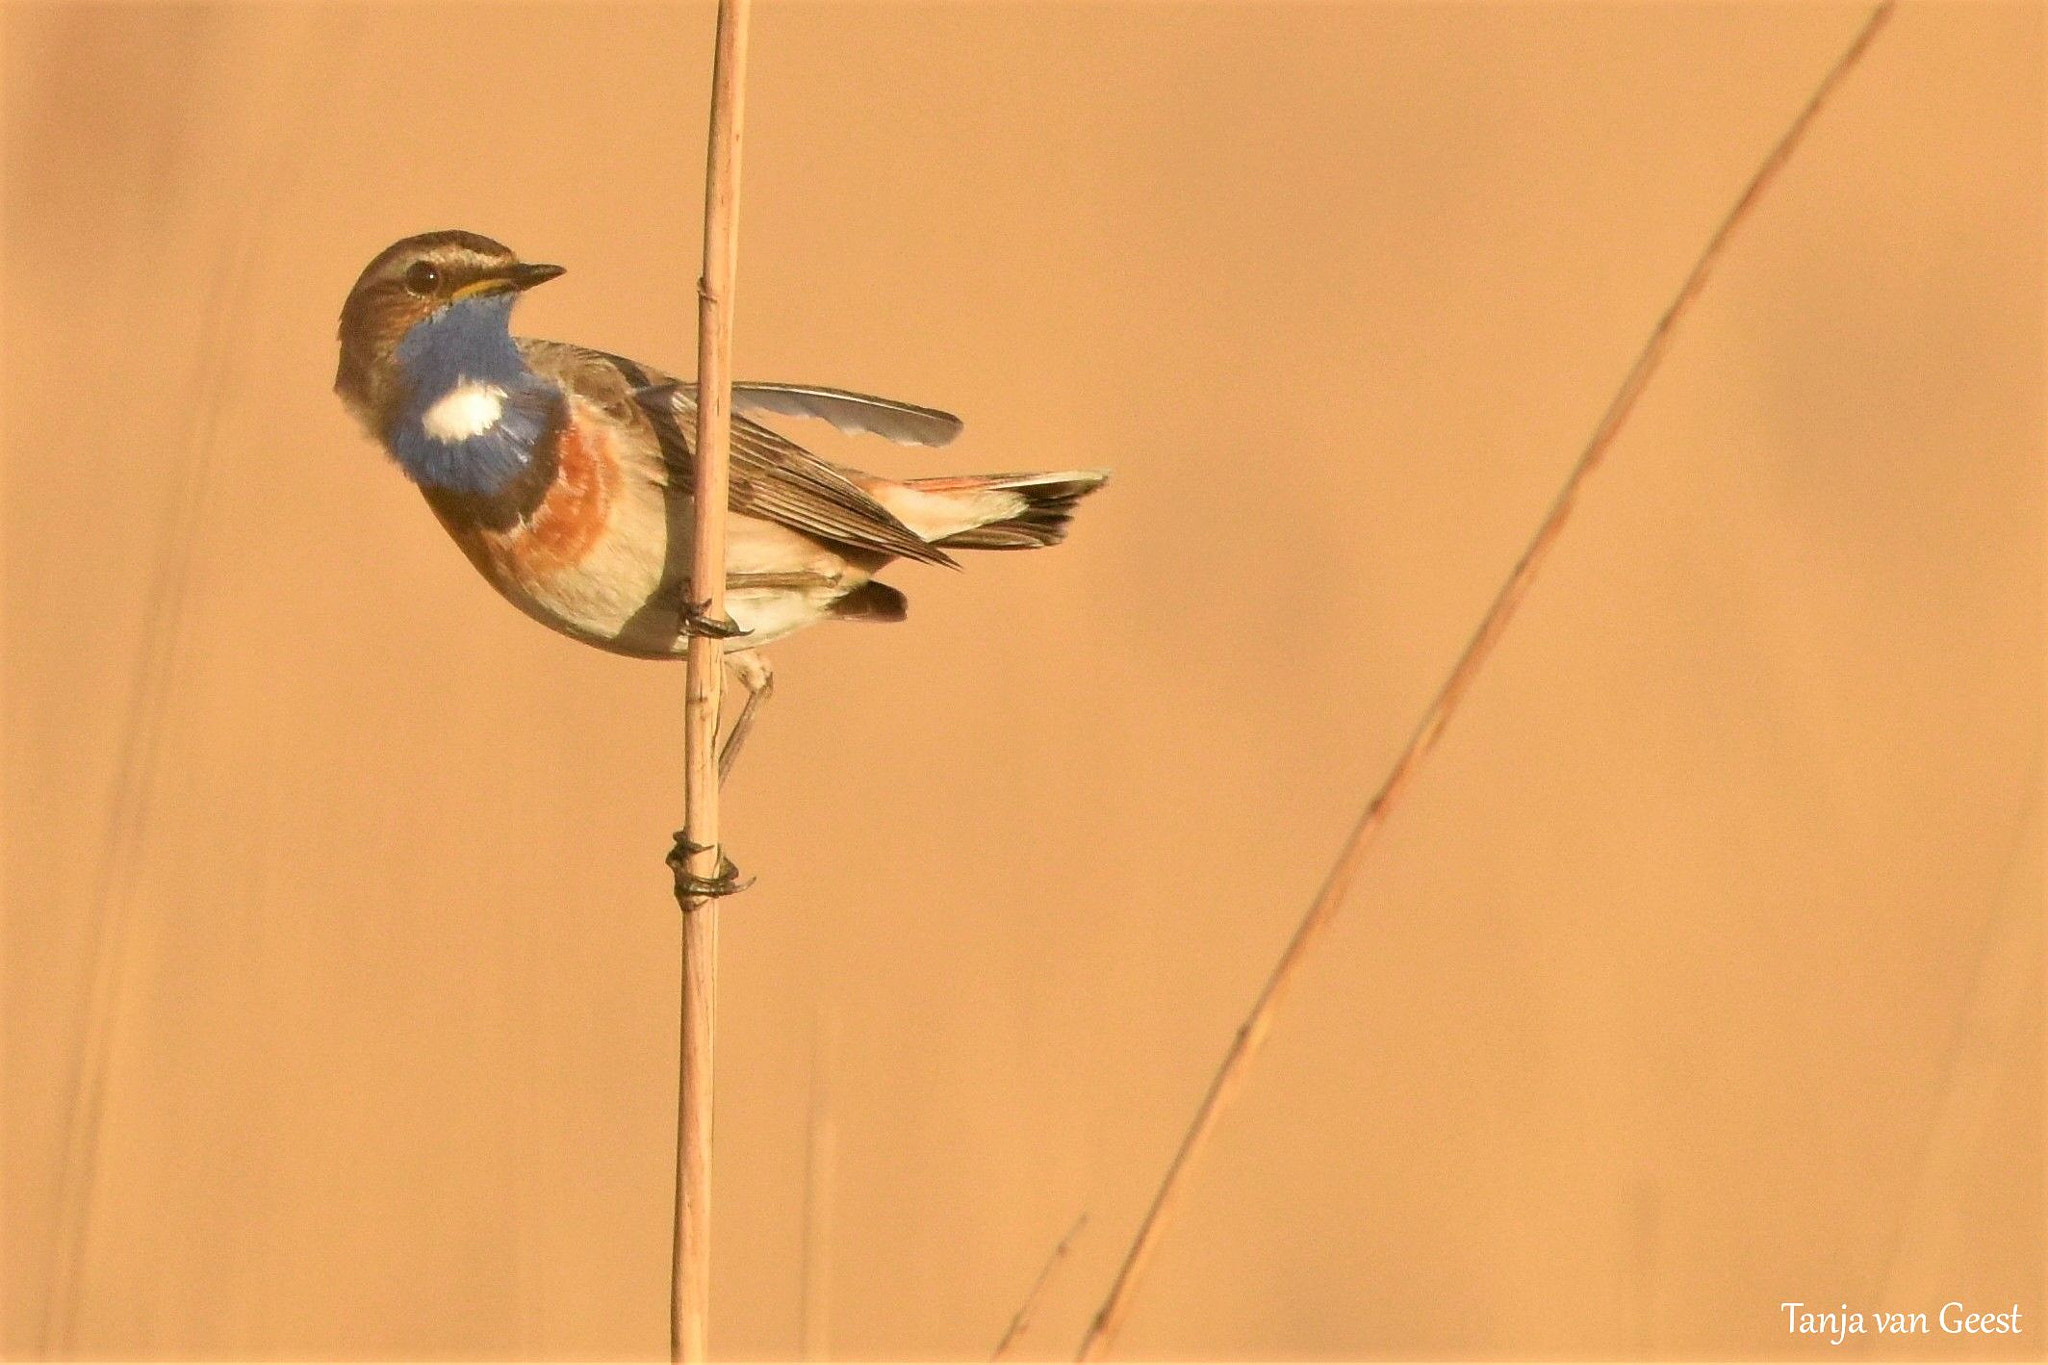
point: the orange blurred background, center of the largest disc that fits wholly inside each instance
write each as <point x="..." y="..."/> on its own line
<point x="1700" y="973"/>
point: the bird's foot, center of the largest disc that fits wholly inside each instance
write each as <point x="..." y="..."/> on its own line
<point x="697" y="620"/>
<point x="725" y="882"/>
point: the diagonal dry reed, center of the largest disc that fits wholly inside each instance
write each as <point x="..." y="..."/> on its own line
<point x="1251" y="1035"/>
<point x="1988" y="1046"/>
<point x="690" y="1247"/>
<point x="1021" y="1323"/>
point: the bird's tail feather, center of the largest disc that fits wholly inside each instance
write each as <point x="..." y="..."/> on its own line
<point x="871" y="601"/>
<point x="1043" y="505"/>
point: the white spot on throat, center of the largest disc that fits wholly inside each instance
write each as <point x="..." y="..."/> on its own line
<point x="469" y="409"/>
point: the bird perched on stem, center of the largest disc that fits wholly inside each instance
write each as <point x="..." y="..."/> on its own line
<point x="565" y="474"/>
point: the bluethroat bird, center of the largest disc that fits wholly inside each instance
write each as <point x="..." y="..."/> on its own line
<point x="565" y="474"/>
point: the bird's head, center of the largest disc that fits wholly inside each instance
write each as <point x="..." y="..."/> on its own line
<point x="461" y="282"/>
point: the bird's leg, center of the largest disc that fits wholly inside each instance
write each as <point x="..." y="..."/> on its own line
<point x="723" y="882"/>
<point x="759" y="680"/>
<point x="697" y="620"/>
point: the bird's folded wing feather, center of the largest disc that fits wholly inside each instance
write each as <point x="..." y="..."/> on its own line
<point x="772" y="477"/>
<point x="776" y="478"/>
<point x="856" y="414"/>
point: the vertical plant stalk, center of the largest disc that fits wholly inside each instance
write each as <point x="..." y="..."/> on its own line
<point x="821" y="1170"/>
<point x="690" y="1251"/>
<point x="110" y="947"/>
<point x="1251" y="1035"/>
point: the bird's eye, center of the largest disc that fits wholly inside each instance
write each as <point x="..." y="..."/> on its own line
<point x="422" y="278"/>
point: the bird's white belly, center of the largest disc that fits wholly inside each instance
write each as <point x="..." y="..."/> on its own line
<point x="626" y="595"/>
<point x="768" y="614"/>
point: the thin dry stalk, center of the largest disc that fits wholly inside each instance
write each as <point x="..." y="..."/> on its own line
<point x="113" y="910"/>
<point x="1251" y="1035"/>
<point x="1022" y="1322"/>
<point x="1988" y="1046"/>
<point x="110" y="950"/>
<point x="690" y="1251"/>
<point x="821" y="1168"/>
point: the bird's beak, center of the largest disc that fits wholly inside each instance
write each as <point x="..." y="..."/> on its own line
<point x="525" y="276"/>
<point x="511" y="279"/>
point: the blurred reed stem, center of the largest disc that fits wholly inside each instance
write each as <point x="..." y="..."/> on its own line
<point x="1989" y="1044"/>
<point x="690" y="1249"/>
<point x="1251" y="1035"/>
<point x="821" y="1152"/>
<point x="112" y="911"/>
<point x="1021" y="1323"/>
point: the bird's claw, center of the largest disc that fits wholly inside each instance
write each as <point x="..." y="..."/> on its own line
<point x="698" y="620"/>
<point x="725" y="882"/>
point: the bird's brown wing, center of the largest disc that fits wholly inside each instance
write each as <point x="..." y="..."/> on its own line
<point x="772" y="477"/>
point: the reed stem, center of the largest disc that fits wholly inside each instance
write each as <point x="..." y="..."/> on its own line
<point x="690" y="1259"/>
<point x="1251" y="1035"/>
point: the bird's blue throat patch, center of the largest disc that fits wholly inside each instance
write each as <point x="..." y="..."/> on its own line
<point x="466" y="349"/>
